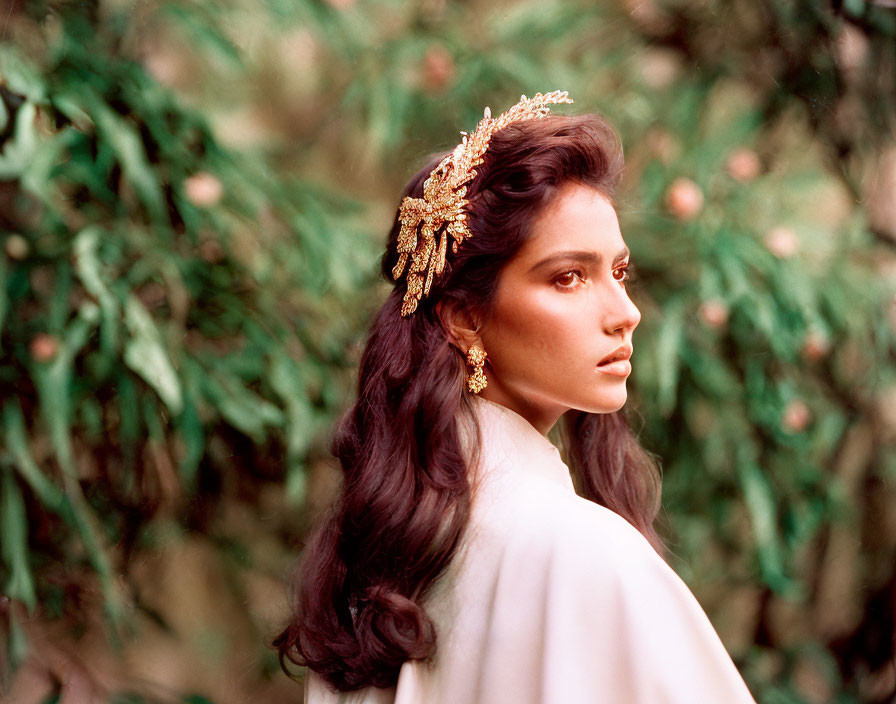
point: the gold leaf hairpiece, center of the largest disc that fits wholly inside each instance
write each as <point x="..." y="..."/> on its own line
<point x="443" y="202"/>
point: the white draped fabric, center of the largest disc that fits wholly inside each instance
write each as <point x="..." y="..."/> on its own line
<point x="553" y="599"/>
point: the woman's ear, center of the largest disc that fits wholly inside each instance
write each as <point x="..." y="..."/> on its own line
<point x="462" y="326"/>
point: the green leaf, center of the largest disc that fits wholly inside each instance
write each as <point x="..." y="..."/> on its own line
<point x="53" y="382"/>
<point x="296" y="487"/>
<point x="761" y="505"/>
<point x="197" y="22"/>
<point x="4" y="295"/>
<point x="71" y="106"/>
<point x="856" y="8"/>
<point x="40" y="177"/>
<point x="20" y="76"/>
<point x="20" y="150"/>
<point x="243" y="409"/>
<point x="190" y="427"/>
<point x="59" y="309"/>
<point x="14" y="525"/>
<point x="670" y="337"/>
<point x="286" y="379"/>
<point x="125" y="141"/>
<point x="17" y="641"/>
<point x="16" y="438"/>
<point x="89" y="270"/>
<point x="146" y="355"/>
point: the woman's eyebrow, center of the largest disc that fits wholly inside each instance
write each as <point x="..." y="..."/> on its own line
<point x="586" y="256"/>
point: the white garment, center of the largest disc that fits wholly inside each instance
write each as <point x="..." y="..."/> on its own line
<point x="554" y="599"/>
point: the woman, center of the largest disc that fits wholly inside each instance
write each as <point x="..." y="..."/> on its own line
<point x="459" y="564"/>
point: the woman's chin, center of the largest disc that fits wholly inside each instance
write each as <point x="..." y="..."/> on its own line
<point x="615" y="407"/>
<point x="606" y="403"/>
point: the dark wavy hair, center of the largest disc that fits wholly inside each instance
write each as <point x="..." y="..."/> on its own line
<point x="405" y="497"/>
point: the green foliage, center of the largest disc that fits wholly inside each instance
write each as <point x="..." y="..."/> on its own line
<point x="140" y="318"/>
<point x="170" y="302"/>
<point x="731" y="353"/>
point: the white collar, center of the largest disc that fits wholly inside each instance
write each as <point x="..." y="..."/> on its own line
<point x="509" y="440"/>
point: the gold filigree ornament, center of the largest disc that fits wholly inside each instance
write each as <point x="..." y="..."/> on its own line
<point x="476" y="380"/>
<point x="443" y="202"/>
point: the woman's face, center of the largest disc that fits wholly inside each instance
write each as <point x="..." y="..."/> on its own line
<point x="561" y="308"/>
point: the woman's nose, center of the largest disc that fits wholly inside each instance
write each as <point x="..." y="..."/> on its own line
<point x="622" y="314"/>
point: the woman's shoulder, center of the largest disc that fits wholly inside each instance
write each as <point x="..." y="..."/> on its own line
<point x="541" y="519"/>
<point x="522" y="480"/>
<point x="605" y="597"/>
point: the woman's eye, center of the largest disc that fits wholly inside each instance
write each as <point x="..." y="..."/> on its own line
<point x="568" y="278"/>
<point x="623" y="274"/>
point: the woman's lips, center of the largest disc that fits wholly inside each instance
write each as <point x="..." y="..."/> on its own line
<point x="622" y="367"/>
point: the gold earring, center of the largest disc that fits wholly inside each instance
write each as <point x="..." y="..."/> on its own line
<point x="476" y="381"/>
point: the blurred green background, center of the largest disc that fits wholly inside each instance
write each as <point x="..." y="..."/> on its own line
<point x="193" y="199"/>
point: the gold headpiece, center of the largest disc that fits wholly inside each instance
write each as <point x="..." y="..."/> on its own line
<point x="443" y="199"/>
